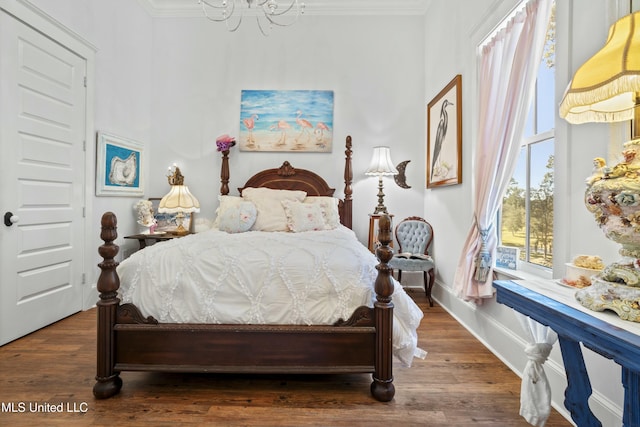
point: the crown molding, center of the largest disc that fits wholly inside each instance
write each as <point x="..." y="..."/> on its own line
<point x="191" y="8"/>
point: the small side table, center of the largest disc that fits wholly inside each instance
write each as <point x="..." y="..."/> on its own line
<point x="373" y="231"/>
<point x="152" y="238"/>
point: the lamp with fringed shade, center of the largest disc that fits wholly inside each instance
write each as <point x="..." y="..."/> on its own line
<point x="178" y="200"/>
<point x="606" y="88"/>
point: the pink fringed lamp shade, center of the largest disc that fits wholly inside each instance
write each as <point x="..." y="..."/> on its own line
<point x="604" y="89"/>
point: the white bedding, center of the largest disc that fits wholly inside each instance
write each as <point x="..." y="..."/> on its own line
<point x="314" y="277"/>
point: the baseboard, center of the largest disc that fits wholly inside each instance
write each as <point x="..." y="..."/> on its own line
<point x="89" y="296"/>
<point x="487" y="323"/>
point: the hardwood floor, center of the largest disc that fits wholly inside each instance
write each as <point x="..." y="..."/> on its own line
<point x="460" y="383"/>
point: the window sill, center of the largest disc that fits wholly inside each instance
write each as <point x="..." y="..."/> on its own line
<point x="505" y="273"/>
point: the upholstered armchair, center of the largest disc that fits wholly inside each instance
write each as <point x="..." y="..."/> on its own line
<point x="414" y="236"/>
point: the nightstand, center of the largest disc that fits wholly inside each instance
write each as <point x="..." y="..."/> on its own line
<point x="373" y="231"/>
<point x="153" y="238"/>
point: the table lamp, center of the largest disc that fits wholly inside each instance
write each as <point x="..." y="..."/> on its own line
<point x="381" y="165"/>
<point x="606" y="88"/>
<point x="178" y="200"/>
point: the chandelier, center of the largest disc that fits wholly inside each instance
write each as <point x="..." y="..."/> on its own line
<point x="267" y="12"/>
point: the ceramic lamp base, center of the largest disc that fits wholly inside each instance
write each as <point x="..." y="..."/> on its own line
<point x="603" y="295"/>
<point x="613" y="196"/>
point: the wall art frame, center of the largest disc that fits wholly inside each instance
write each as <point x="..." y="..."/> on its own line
<point x="507" y="257"/>
<point x="444" y="136"/>
<point x="119" y="166"/>
<point x="286" y="120"/>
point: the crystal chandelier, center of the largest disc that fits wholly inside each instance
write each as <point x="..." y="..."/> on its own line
<point x="267" y="12"/>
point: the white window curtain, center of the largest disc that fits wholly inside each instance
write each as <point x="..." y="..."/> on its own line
<point x="535" y="392"/>
<point x="508" y="69"/>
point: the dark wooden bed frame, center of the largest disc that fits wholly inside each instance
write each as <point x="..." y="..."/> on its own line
<point x="127" y="341"/>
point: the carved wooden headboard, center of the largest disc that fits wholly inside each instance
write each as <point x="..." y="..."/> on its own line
<point x="286" y="177"/>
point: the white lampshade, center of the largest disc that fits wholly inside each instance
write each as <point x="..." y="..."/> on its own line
<point x="381" y="163"/>
<point x="179" y="199"/>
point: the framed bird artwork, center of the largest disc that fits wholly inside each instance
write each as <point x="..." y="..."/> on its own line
<point x="444" y="136"/>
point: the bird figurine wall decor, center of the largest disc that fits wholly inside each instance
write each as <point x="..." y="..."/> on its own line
<point x="401" y="178"/>
<point x="441" y="133"/>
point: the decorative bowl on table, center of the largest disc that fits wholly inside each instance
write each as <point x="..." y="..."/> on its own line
<point x="578" y="277"/>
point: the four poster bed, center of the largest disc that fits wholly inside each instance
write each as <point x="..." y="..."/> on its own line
<point x="171" y="312"/>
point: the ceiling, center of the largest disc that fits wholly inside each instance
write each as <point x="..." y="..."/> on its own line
<point x="185" y="8"/>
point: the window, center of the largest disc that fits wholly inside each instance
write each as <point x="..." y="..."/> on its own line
<point x="526" y="219"/>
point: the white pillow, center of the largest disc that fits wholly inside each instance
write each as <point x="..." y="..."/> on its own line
<point x="226" y="202"/>
<point x="303" y="216"/>
<point x="329" y="208"/>
<point x="238" y="219"/>
<point x="271" y="216"/>
<point x="203" y="224"/>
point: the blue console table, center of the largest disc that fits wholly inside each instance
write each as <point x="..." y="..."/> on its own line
<point x="601" y="332"/>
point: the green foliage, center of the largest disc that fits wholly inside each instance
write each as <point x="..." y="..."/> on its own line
<point x="549" y="53"/>
<point x="513" y="227"/>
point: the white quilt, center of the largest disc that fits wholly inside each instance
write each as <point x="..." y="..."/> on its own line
<point x="307" y="278"/>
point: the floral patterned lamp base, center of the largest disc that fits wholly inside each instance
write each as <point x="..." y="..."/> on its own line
<point x="613" y="196"/>
<point x="602" y="295"/>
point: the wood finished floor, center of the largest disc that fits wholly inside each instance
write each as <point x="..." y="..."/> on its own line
<point x="460" y="383"/>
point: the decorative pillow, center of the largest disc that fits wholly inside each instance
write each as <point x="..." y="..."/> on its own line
<point x="271" y="215"/>
<point x="238" y="219"/>
<point x="329" y="208"/>
<point x="226" y="202"/>
<point x="203" y="224"/>
<point x="303" y="216"/>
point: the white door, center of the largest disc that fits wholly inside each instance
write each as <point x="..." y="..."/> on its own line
<point x="42" y="128"/>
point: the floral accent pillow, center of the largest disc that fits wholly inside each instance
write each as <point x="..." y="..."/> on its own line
<point x="226" y="202"/>
<point x="238" y="219"/>
<point x="329" y="208"/>
<point x="303" y="216"/>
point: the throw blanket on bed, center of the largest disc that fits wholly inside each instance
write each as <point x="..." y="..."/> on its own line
<point x="308" y="278"/>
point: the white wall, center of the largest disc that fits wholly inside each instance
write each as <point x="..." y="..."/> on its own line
<point x="374" y="65"/>
<point x="175" y="85"/>
<point x="581" y="31"/>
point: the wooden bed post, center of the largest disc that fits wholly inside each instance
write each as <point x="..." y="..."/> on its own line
<point x="348" y="178"/>
<point x="382" y="386"/>
<point x="224" y="173"/>
<point x="108" y="381"/>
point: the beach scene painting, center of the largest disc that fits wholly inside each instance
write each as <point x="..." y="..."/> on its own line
<point x="286" y="120"/>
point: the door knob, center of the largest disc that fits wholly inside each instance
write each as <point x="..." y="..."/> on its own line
<point x="10" y="219"/>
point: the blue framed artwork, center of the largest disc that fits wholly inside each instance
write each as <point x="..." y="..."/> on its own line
<point x="119" y="166"/>
<point x="286" y="120"/>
